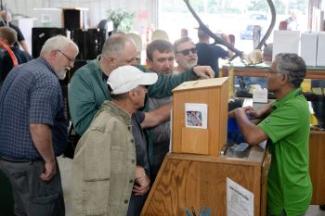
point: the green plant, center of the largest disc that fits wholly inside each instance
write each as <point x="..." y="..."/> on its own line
<point x="122" y="20"/>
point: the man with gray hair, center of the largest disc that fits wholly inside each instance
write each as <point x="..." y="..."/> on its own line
<point x="286" y="127"/>
<point x="185" y="55"/>
<point x="33" y="128"/>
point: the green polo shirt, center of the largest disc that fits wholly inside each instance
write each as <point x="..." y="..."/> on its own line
<point x="287" y="126"/>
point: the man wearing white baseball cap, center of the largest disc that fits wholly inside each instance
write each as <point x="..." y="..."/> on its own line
<point x="106" y="167"/>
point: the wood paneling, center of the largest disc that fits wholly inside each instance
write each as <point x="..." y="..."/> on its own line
<point x="317" y="166"/>
<point x="187" y="181"/>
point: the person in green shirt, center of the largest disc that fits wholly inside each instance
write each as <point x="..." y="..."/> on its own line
<point x="88" y="89"/>
<point x="286" y="126"/>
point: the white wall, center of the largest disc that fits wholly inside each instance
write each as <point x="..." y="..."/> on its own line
<point x="145" y="10"/>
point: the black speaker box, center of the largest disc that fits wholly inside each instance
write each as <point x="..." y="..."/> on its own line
<point x="40" y="35"/>
<point x="90" y="42"/>
<point x="71" y="19"/>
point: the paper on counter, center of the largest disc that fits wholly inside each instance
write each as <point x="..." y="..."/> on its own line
<point x="240" y="201"/>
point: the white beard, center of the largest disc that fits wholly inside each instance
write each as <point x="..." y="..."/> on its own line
<point x="61" y="74"/>
<point x="189" y="65"/>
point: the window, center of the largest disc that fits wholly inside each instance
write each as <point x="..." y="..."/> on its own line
<point x="235" y="17"/>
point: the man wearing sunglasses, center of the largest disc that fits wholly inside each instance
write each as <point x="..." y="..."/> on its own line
<point x="185" y="55"/>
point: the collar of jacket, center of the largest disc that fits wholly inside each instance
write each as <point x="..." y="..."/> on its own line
<point x="109" y="105"/>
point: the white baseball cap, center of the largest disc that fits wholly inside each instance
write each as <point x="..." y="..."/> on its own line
<point x="125" y="78"/>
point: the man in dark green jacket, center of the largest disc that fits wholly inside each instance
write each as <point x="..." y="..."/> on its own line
<point x="88" y="89"/>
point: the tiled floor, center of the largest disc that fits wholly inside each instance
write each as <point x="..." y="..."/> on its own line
<point x="65" y="167"/>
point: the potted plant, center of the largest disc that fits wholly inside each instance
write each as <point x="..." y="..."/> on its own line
<point x="122" y="20"/>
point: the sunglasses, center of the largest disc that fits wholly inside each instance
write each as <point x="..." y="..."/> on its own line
<point x="187" y="51"/>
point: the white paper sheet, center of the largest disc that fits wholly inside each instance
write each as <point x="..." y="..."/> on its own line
<point x="240" y="201"/>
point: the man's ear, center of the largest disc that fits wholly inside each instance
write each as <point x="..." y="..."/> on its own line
<point x="110" y="59"/>
<point x="284" y="77"/>
<point x="132" y="94"/>
<point x="53" y="54"/>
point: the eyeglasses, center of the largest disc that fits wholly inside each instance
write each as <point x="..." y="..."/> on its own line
<point x="65" y="55"/>
<point x="187" y="51"/>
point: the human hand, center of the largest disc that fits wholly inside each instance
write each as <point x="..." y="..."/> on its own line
<point x="251" y="112"/>
<point x="142" y="182"/>
<point x="204" y="72"/>
<point x="141" y="186"/>
<point x="49" y="170"/>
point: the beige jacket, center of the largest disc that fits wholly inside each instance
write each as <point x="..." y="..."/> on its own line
<point x="104" y="164"/>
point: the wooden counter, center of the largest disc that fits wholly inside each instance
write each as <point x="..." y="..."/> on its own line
<point x="317" y="166"/>
<point x="187" y="181"/>
<point x="261" y="71"/>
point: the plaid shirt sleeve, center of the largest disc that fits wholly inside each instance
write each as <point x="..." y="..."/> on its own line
<point x="44" y="103"/>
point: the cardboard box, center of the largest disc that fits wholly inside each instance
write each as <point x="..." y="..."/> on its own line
<point x="285" y="42"/>
<point x="321" y="49"/>
<point x="308" y="48"/>
<point x="199" y="119"/>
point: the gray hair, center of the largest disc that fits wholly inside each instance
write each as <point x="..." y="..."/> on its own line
<point x="291" y="65"/>
<point x="115" y="44"/>
<point x="180" y="41"/>
<point x="58" y="42"/>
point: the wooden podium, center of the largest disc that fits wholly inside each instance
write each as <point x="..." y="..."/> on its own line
<point x="190" y="98"/>
<point x="194" y="175"/>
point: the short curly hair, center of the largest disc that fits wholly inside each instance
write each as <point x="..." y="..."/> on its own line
<point x="291" y="65"/>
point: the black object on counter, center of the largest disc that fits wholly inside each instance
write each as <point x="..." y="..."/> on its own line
<point x="89" y="41"/>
